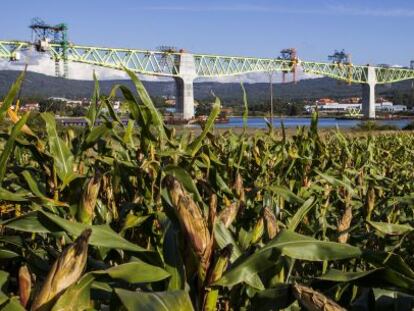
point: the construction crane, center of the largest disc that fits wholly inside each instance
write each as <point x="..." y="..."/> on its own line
<point x="289" y="54"/>
<point x="340" y="57"/>
<point x="43" y="34"/>
<point x="167" y="49"/>
<point x="169" y="57"/>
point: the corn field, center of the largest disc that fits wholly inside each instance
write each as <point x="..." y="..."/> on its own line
<point x="137" y="217"/>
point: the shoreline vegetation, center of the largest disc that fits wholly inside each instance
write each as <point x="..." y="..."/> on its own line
<point x="141" y="216"/>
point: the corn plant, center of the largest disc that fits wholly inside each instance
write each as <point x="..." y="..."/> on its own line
<point x="134" y="216"/>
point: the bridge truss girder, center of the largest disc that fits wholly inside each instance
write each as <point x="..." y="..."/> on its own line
<point x="391" y="75"/>
<point x="348" y="73"/>
<point x="9" y="49"/>
<point x="217" y="66"/>
<point x="140" y="61"/>
<point x="168" y="63"/>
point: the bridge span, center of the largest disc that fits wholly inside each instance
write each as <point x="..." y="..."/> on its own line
<point x="186" y="67"/>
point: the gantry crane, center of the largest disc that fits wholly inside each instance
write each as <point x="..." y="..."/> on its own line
<point x="341" y="58"/>
<point x="289" y="54"/>
<point x="44" y="34"/>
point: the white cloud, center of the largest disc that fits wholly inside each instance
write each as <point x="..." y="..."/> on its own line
<point x="43" y="64"/>
<point x="259" y="78"/>
<point x="331" y="9"/>
<point x="375" y="12"/>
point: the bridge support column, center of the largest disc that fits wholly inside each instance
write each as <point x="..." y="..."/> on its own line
<point x="185" y="89"/>
<point x="368" y="94"/>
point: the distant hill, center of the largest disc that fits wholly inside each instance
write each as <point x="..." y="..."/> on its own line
<point x="41" y="85"/>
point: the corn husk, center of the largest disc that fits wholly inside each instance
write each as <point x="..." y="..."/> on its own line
<point x="239" y="188"/>
<point x="271" y="223"/>
<point x="86" y="210"/>
<point x="221" y="263"/>
<point x="25" y="285"/>
<point x="258" y="231"/>
<point x="313" y="300"/>
<point x="66" y="270"/>
<point x="108" y="194"/>
<point x="192" y="223"/>
<point x="344" y="225"/>
<point x="212" y="211"/>
<point x="229" y="214"/>
<point x="220" y="266"/>
<point x="370" y="201"/>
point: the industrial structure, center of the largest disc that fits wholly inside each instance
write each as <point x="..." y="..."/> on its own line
<point x="44" y="34"/>
<point x="185" y="67"/>
<point x="289" y="55"/>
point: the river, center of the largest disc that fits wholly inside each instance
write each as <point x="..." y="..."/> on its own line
<point x="259" y="122"/>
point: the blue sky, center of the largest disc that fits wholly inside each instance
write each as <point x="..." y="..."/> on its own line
<point x="373" y="31"/>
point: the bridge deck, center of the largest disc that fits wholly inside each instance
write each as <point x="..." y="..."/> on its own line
<point x="167" y="64"/>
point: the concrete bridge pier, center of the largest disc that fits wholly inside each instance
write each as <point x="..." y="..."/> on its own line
<point x="185" y="89"/>
<point x="368" y="94"/>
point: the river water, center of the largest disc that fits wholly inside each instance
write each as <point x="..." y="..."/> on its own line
<point x="259" y="122"/>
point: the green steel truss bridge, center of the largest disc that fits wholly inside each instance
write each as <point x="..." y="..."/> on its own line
<point x="186" y="67"/>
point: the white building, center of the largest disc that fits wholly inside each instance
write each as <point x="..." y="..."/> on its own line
<point x="337" y="107"/>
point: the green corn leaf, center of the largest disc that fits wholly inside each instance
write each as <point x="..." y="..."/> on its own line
<point x="275" y="298"/>
<point x="381" y="277"/>
<point x="249" y="270"/>
<point x="6" y="195"/>
<point x="133" y="221"/>
<point x="193" y="148"/>
<point x="92" y="112"/>
<point x="302" y="247"/>
<point x="12" y="304"/>
<point x="335" y="182"/>
<point x="390" y="229"/>
<point x="341" y="276"/>
<point x="155" y="301"/>
<point x="36" y="191"/>
<point x="112" y="113"/>
<point x="146" y="100"/>
<point x="43" y="222"/>
<point x="11" y="95"/>
<point x="96" y="133"/>
<point x="301" y="213"/>
<point x="135" y="272"/>
<point x="128" y="135"/>
<point x="62" y="157"/>
<point x="289" y="244"/>
<point x="77" y="296"/>
<point x="8" y="254"/>
<point x="388" y="260"/>
<point x="174" y="263"/>
<point x="287" y="194"/>
<point x="9" y="146"/>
